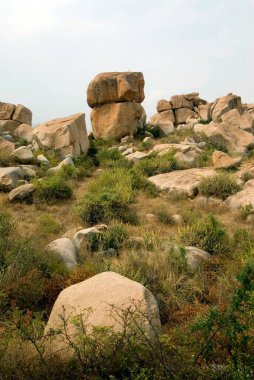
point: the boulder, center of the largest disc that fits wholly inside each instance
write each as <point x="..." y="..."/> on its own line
<point x="84" y="234"/>
<point x="182" y="101"/>
<point x="136" y="156"/>
<point x="6" y="111"/>
<point x="116" y="120"/>
<point x="9" y="125"/>
<point x="66" y="250"/>
<point x="22" y="114"/>
<point x="9" y="177"/>
<point x="195" y="256"/>
<point x="23" y="154"/>
<point x="116" y="87"/>
<point x="223" y="160"/>
<point x="188" y="156"/>
<point x="22" y="193"/>
<point x="244" y="121"/>
<point x="164" y="122"/>
<point x="182" y="114"/>
<point x="6" y="148"/>
<point x="42" y="160"/>
<point x="245" y="197"/>
<point x="66" y="162"/>
<point x="163" y="105"/>
<point x="102" y="301"/>
<point x="184" y="182"/>
<point x="225" y="104"/>
<point x="24" y="131"/>
<point x="234" y="139"/>
<point x="67" y="134"/>
<point x="204" y="111"/>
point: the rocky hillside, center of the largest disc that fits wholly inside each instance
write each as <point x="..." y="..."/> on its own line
<point x="128" y="253"/>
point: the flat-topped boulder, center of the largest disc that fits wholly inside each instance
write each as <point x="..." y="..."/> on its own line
<point x="234" y="139"/>
<point x="116" y="87"/>
<point x="182" y="181"/>
<point x="116" y="120"/>
<point x="9" y="177"/>
<point x="67" y="134"/>
<point x="101" y="301"/>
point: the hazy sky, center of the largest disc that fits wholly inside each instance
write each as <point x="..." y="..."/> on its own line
<point x="51" y="49"/>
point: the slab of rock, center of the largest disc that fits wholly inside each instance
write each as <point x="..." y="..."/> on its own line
<point x="6" y="111"/>
<point x="67" y="134"/>
<point x="204" y="111"/>
<point x="116" y="120"/>
<point x="195" y="256"/>
<point x="243" y="198"/>
<point x="223" y="160"/>
<point x="116" y="87"/>
<point x="9" y="177"/>
<point x="182" y="114"/>
<point x="66" y="250"/>
<point x="22" y="193"/>
<point x="24" y="131"/>
<point x="22" y="114"/>
<point x="224" y="104"/>
<point x="98" y="301"/>
<point x="163" y="105"/>
<point x="188" y="156"/>
<point x="182" y="181"/>
<point x="9" y="125"/>
<point x="24" y="155"/>
<point x="136" y="156"/>
<point x="84" y="234"/>
<point x="233" y="138"/>
<point x="244" y="121"/>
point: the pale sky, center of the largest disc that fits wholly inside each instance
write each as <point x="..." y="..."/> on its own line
<point x="51" y="49"/>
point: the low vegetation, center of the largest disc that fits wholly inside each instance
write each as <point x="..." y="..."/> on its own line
<point x="221" y="185"/>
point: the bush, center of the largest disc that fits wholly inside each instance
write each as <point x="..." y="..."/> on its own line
<point x="164" y="216"/>
<point x="52" y="189"/>
<point x="205" y="233"/>
<point x="111" y="238"/>
<point x="156" y="164"/>
<point x="220" y="185"/>
<point x="108" y="197"/>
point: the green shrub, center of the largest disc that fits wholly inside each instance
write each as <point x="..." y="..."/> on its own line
<point x="205" y="233"/>
<point x="111" y="238"/>
<point x="220" y="185"/>
<point x="48" y="225"/>
<point x="52" y="189"/>
<point x="246" y="176"/>
<point x="164" y="216"/>
<point x="140" y="182"/>
<point x="156" y="164"/>
<point x="108" y="197"/>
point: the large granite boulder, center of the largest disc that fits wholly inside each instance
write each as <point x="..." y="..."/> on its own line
<point x="67" y="134"/>
<point x="22" y="114"/>
<point x="164" y="121"/>
<point x="23" y="155"/>
<point x="116" y="120"/>
<point x="6" y="111"/>
<point x="116" y="87"/>
<point x="100" y="301"/>
<point x="234" y="139"/>
<point x="244" y="121"/>
<point x="182" y="182"/>
<point x="224" y="104"/>
<point x="24" y="131"/>
<point x="163" y="105"/>
<point x="245" y="197"/>
<point x="6" y="148"/>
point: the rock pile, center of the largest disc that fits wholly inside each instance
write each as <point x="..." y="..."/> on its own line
<point x="115" y="101"/>
<point x="12" y="116"/>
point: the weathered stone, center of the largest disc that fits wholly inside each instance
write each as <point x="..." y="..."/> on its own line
<point x="22" y="193"/>
<point x="9" y="177"/>
<point x="188" y="156"/>
<point x="243" y="198"/>
<point x="136" y="156"/>
<point x="6" y="111"/>
<point x="65" y="249"/>
<point x="204" y="112"/>
<point x="195" y="256"/>
<point x="99" y="302"/>
<point x="116" y="120"/>
<point x="244" y="121"/>
<point x="42" y="160"/>
<point x="24" y="131"/>
<point x="181" y="101"/>
<point x="9" y="125"/>
<point x="223" y="160"/>
<point x="163" y="105"/>
<point x="6" y="148"/>
<point x="67" y="134"/>
<point x="23" y="115"/>
<point x="84" y="234"/>
<point x="66" y="162"/>
<point x="182" y="114"/>
<point x="116" y="87"/>
<point x="23" y="154"/>
<point x="225" y="104"/>
<point x="182" y="181"/>
<point x="234" y="139"/>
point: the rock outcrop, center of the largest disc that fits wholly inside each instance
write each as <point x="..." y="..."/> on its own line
<point x="98" y="302"/>
<point x="12" y="116"/>
<point x="115" y="99"/>
<point x="224" y="104"/>
<point x="67" y="134"/>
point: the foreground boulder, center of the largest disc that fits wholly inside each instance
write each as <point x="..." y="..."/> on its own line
<point x="116" y="87"/>
<point x="182" y="182"/>
<point x="116" y="120"/>
<point x="67" y="134"/>
<point x="234" y="139"/>
<point x="22" y="193"/>
<point x="9" y="177"/>
<point x="23" y="154"/>
<point x="99" y="301"/>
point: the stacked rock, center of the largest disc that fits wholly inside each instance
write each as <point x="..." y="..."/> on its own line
<point x="177" y="111"/>
<point x="115" y="101"/>
<point x="11" y="116"/>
